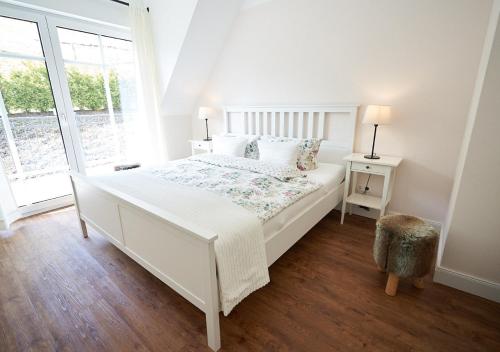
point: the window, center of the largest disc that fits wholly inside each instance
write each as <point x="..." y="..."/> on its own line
<point x="67" y="101"/>
<point x="101" y="78"/>
<point x="31" y="146"/>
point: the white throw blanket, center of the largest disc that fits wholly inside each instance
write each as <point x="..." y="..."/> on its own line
<point x="239" y="250"/>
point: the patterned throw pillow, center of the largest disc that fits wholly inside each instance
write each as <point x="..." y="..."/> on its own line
<point x="308" y="151"/>
<point x="252" y="150"/>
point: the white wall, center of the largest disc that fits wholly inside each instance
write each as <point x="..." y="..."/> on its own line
<point x="472" y="234"/>
<point x="170" y="20"/>
<point x="419" y="56"/>
<point x="189" y="36"/>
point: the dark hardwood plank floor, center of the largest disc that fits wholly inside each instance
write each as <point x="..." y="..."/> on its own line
<point x="61" y="292"/>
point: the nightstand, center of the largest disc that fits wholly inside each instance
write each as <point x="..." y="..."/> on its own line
<point x="385" y="166"/>
<point x="200" y="146"/>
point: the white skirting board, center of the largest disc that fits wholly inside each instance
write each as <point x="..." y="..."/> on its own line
<point x="467" y="283"/>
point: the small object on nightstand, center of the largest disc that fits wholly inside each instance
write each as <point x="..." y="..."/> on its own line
<point x="384" y="166"/>
<point x="204" y="113"/>
<point x="376" y="115"/>
<point x="200" y="146"/>
<point x="127" y="166"/>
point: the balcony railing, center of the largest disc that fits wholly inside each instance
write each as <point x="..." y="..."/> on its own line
<point x="39" y="149"/>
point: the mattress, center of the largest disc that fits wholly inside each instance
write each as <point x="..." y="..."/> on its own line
<point x="329" y="175"/>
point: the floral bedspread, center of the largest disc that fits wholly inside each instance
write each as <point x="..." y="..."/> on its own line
<point x="263" y="189"/>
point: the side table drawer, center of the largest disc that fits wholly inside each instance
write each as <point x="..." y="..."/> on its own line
<point x="201" y="145"/>
<point x="368" y="168"/>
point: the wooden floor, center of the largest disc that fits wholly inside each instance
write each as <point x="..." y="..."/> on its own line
<point x="59" y="291"/>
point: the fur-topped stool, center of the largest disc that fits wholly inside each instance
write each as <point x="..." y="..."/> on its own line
<point x="404" y="247"/>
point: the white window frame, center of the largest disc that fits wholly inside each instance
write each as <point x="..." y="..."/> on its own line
<point x="53" y="22"/>
<point x="47" y="23"/>
<point x="20" y="13"/>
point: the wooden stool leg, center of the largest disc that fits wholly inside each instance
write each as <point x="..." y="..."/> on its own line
<point x="392" y="284"/>
<point x="418" y="282"/>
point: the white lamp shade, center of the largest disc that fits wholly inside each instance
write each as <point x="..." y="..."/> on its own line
<point x="377" y="115"/>
<point x="205" y="112"/>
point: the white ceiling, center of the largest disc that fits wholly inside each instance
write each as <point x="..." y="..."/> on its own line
<point x="251" y="3"/>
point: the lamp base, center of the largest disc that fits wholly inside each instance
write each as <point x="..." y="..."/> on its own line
<point x="207" y="139"/>
<point x="370" y="156"/>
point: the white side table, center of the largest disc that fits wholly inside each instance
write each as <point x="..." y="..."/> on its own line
<point x="385" y="166"/>
<point x="200" y="146"/>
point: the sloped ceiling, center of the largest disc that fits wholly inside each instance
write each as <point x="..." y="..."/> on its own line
<point x="251" y="3"/>
<point x="189" y="35"/>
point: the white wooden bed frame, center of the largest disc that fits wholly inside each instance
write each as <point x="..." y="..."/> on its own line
<point x="182" y="254"/>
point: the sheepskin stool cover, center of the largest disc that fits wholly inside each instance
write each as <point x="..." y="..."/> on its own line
<point x="404" y="246"/>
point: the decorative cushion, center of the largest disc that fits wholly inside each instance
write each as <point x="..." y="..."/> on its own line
<point x="404" y="245"/>
<point x="252" y="149"/>
<point x="308" y="151"/>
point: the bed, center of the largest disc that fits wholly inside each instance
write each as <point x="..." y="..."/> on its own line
<point x="177" y="245"/>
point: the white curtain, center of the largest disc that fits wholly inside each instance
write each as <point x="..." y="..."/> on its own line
<point x="148" y="87"/>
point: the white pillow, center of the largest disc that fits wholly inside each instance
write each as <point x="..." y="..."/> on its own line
<point x="308" y="151"/>
<point x="234" y="146"/>
<point x="251" y="150"/>
<point x="283" y="153"/>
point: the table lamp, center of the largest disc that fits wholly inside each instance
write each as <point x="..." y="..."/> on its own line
<point x="204" y="113"/>
<point x="376" y="115"/>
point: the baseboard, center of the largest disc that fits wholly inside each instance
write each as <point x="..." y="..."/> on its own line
<point x="467" y="283"/>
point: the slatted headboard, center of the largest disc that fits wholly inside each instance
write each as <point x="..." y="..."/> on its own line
<point x="335" y="124"/>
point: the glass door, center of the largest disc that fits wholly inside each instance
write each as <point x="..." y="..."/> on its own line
<point x="67" y="101"/>
<point x="32" y="152"/>
<point x="100" y="87"/>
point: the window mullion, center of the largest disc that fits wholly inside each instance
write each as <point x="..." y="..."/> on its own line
<point x="10" y="138"/>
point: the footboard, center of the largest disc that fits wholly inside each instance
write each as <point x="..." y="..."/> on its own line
<point x="175" y="251"/>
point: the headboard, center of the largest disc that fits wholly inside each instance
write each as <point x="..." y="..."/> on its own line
<point x="335" y="124"/>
